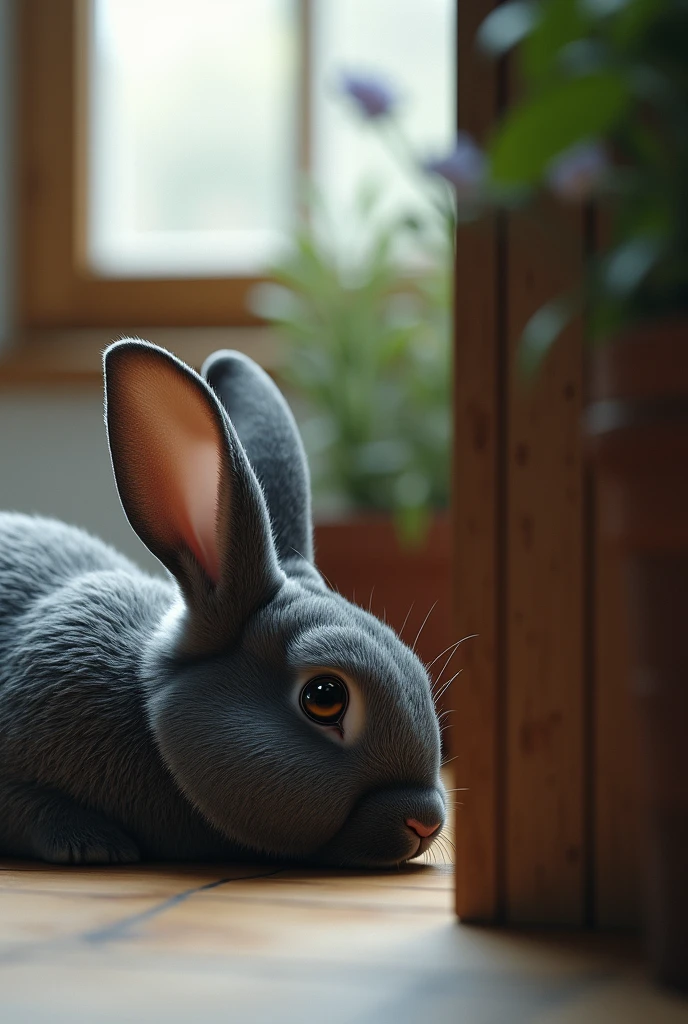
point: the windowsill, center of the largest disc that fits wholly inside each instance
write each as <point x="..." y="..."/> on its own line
<point x="52" y="358"/>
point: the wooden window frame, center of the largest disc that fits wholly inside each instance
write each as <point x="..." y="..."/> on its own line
<point x="56" y="287"/>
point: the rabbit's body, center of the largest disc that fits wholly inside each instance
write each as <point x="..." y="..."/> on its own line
<point x="241" y="710"/>
<point x="52" y="577"/>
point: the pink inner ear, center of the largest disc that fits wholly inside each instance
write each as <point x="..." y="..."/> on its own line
<point x="199" y="477"/>
<point x="168" y="445"/>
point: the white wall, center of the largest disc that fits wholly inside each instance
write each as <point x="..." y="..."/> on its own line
<point x="54" y="461"/>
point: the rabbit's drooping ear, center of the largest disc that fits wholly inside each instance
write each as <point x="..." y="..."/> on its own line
<point x="269" y="434"/>
<point x="187" y="488"/>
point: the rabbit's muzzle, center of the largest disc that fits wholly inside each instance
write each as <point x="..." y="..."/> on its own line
<point x="387" y="827"/>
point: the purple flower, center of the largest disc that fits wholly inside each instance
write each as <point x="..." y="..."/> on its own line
<point x="372" y="94"/>
<point x="463" y="167"/>
<point x="576" y="173"/>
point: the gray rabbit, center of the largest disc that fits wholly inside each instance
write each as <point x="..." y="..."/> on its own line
<point x="238" y="711"/>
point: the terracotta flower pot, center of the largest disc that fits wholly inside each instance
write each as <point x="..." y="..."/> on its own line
<point x="363" y="559"/>
<point x="637" y="426"/>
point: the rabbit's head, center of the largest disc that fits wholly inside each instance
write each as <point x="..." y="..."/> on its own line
<point x="298" y="724"/>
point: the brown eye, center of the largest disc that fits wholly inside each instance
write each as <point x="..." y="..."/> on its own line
<point x="324" y="699"/>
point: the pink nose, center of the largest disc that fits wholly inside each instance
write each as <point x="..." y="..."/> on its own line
<point x="420" y="829"/>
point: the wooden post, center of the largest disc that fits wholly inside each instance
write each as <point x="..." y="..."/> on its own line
<point x="542" y="736"/>
<point x="545" y="642"/>
<point x="478" y="515"/>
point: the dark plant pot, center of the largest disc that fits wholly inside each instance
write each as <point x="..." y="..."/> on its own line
<point x="363" y="559"/>
<point x="637" y="427"/>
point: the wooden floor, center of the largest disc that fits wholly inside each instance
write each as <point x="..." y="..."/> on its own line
<point x="178" y="944"/>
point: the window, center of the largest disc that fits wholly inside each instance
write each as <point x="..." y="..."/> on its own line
<point x="192" y="135"/>
<point x="164" y="142"/>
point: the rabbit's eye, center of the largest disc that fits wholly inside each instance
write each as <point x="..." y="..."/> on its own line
<point x="324" y="700"/>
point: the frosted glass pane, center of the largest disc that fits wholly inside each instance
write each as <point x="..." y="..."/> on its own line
<point x="192" y="154"/>
<point x="409" y="42"/>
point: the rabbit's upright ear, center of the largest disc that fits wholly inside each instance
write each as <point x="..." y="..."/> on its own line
<point x="187" y="488"/>
<point x="269" y="434"/>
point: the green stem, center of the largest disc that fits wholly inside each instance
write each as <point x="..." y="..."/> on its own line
<point x="402" y="150"/>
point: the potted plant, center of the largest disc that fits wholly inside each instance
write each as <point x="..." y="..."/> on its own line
<point x="603" y="114"/>
<point x="366" y="361"/>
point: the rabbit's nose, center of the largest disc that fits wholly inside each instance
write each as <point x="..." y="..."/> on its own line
<point x="420" y="829"/>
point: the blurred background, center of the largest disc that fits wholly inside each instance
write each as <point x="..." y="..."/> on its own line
<point x="197" y="174"/>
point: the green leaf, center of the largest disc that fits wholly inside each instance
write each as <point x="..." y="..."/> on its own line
<point x="632" y="21"/>
<point x="607" y="318"/>
<point x="537" y="130"/>
<point x="583" y="57"/>
<point x="628" y="265"/>
<point x="543" y="329"/>
<point x="605" y="8"/>
<point x="367" y="197"/>
<point x="506" y="26"/>
<point x="561" y="22"/>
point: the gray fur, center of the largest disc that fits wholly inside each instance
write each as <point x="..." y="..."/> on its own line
<point x="144" y="718"/>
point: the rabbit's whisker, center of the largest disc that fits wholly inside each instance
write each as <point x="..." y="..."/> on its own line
<point x="471" y="636"/>
<point x="422" y="626"/>
<point x="451" y="647"/>
<point x="403" y="625"/>
<point x="449" y="849"/>
<point x="440" y="693"/>
<point x="442" y="671"/>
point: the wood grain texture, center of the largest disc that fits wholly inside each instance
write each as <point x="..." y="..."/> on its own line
<point x="545" y="741"/>
<point x="617" y="817"/>
<point x="618" y="864"/>
<point x="546" y="641"/>
<point x="477" y="509"/>
<point x="221" y="943"/>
